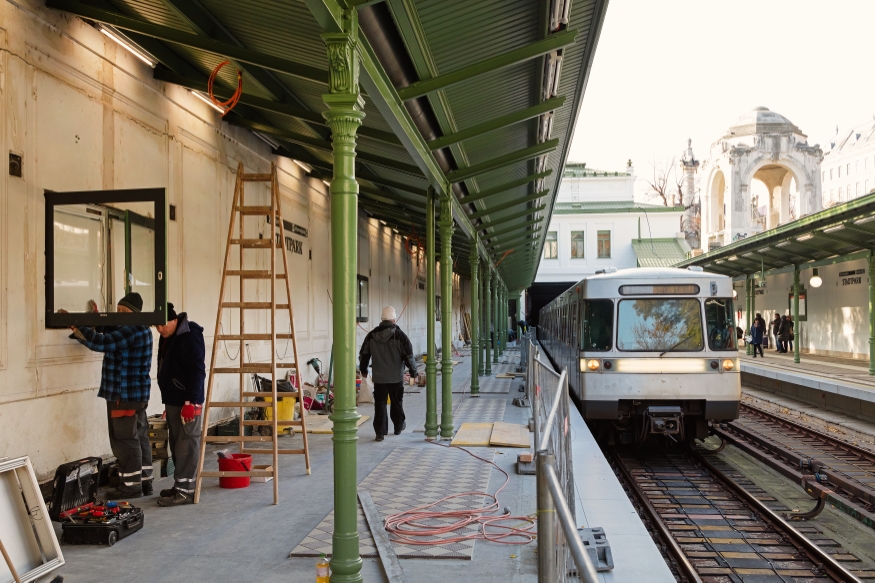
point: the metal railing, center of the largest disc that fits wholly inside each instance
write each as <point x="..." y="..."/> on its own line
<point x="560" y="548"/>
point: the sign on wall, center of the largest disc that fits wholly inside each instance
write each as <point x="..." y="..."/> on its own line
<point x="852" y="277"/>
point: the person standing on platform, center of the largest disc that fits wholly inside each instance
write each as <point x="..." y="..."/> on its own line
<point x="785" y="333"/>
<point x="757" y="333"/>
<point x="388" y="349"/>
<point x="126" y="385"/>
<point x="181" y="374"/>
<point x="776" y="329"/>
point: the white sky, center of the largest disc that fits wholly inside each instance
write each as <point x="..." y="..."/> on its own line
<point x="669" y="70"/>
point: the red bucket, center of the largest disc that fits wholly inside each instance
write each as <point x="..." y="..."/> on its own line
<point x="238" y="462"/>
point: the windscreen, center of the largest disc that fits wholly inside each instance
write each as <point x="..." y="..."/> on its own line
<point x="660" y="325"/>
<point x="721" y="324"/>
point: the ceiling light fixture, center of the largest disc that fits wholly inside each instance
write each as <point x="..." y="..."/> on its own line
<point x="128" y="46"/>
<point x="815" y="280"/>
<point x="805" y="237"/>
<point x="834" y="229"/>
<point x="207" y="101"/>
<point x="307" y="168"/>
<point x="272" y="143"/>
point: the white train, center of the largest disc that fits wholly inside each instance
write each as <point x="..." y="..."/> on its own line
<point x="647" y="350"/>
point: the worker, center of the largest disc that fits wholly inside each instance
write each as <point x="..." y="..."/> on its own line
<point x="181" y="376"/>
<point x="390" y="350"/>
<point x="125" y="384"/>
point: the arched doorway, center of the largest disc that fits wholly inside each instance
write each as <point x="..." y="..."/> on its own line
<point x="773" y="197"/>
<point x="717" y="220"/>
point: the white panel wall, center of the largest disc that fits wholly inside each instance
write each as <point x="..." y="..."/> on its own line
<point x="86" y="115"/>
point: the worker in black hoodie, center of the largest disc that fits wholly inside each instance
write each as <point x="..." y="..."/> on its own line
<point x="389" y="350"/>
<point x="181" y="376"/>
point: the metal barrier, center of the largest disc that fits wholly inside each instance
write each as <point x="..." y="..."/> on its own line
<point x="560" y="548"/>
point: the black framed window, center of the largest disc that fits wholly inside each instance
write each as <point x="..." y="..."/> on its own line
<point x="101" y="245"/>
<point x="361" y="310"/>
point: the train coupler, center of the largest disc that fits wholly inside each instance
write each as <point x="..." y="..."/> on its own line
<point x="665" y="420"/>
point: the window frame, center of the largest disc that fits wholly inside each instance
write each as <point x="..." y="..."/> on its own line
<point x="555" y="242"/>
<point x="598" y="244"/>
<point x="156" y="196"/>
<point x="582" y="240"/>
<point x="358" y="306"/>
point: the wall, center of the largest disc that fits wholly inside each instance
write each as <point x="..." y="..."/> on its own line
<point x="87" y="115"/>
<point x="838" y="311"/>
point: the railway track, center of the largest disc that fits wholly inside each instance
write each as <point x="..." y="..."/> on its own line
<point x="715" y="527"/>
<point x="830" y="470"/>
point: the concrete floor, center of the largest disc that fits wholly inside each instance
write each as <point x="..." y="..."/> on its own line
<point x="238" y="535"/>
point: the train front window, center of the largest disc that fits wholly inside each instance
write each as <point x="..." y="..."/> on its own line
<point x="660" y="325"/>
<point x="598" y="325"/>
<point x="720" y="321"/>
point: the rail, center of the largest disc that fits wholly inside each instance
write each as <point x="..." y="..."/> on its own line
<point x="561" y="552"/>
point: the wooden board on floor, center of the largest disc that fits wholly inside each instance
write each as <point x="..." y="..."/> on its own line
<point x="505" y="375"/>
<point x="510" y="435"/>
<point x="473" y="435"/>
<point x="322" y="424"/>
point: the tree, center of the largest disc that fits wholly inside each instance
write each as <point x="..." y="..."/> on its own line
<point x="666" y="183"/>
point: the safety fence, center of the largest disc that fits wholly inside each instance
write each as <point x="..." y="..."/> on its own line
<point x="561" y="552"/>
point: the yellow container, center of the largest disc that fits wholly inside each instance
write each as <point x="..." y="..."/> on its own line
<point x="285" y="409"/>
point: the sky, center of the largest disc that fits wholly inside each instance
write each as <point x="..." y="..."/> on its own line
<point x="669" y="70"/>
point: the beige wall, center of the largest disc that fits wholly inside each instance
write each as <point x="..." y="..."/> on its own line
<point x="86" y="115"/>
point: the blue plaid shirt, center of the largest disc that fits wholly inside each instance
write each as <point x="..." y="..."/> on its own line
<point x="127" y="360"/>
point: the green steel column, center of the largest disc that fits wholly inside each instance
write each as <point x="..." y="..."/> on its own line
<point x="747" y="317"/>
<point x="482" y="355"/>
<point x="495" y="337"/>
<point x="431" y="422"/>
<point x="871" y="313"/>
<point x="501" y="339"/>
<point x="796" y="313"/>
<point x="446" y="226"/>
<point x="475" y="316"/>
<point x="517" y="298"/>
<point x="504" y="328"/>
<point x="344" y="116"/>
<point x="487" y="295"/>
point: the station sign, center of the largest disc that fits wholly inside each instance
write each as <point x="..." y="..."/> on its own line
<point x="852" y="277"/>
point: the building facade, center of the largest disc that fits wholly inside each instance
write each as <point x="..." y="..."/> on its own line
<point x="848" y="169"/>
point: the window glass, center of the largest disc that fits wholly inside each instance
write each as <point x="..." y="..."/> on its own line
<point x="660" y="325"/>
<point x="598" y="325"/>
<point x="79" y="256"/>
<point x="720" y="321"/>
<point x="361" y="310"/>
<point x="604" y="244"/>
<point x="551" y="250"/>
<point x="142" y="274"/>
<point x="577" y="243"/>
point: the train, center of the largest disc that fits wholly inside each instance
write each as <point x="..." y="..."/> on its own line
<point x="647" y="351"/>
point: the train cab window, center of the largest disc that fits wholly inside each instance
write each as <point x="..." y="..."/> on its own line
<point x="720" y="321"/>
<point x="660" y="325"/>
<point x="598" y="325"/>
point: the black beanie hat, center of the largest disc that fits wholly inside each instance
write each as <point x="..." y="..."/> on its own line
<point x="171" y="313"/>
<point x="132" y="301"/>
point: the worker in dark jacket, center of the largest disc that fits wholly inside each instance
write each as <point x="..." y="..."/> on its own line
<point x="388" y="349"/>
<point x="785" y="334"/>
<point x="125" y="384"/>
<point x="181" y="376"/>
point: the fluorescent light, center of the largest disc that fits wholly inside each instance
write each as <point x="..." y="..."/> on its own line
<point x="783" y="244"/>
<point x="129" y="46"/>
<point x="207" y="101"/>
<point x="328" y="184"/>
<point x="864" y="220"/>
<point x="763" y="250"/>
<point x="805" y="237"/>
<point x="733" y="258"/>
<point x="834" y="229"/>
<point x="661" y="365"/>
<point x="307" y="168"/>
<point x="273" y="144"/>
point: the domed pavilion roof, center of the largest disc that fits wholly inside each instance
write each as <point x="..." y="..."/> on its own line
<point x="760" y="120"/>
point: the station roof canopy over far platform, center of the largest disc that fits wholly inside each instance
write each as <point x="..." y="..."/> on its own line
<point x="459" y="94"/>
<point x="841" y="233"/>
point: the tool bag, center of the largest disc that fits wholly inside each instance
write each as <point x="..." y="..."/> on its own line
<point x="98" y="530"/>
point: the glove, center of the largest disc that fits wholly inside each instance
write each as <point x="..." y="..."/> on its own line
<point x="189" y="412"/>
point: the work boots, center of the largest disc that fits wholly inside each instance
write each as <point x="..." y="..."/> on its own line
<point x="167" y="492"/>
<point x="122" y="495"/>
<point x="178" y="499"/>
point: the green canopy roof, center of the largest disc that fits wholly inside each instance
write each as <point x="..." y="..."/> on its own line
<point x="660" y="252"/>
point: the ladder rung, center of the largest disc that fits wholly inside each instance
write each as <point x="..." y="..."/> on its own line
<point x="255" y="177"/>
<point x="263" y="423"/>
<point x="254" y="210"/>
<point x="255" y="243"/>
<point x="253" y="368"/>
<point x="249" y="474"/>
<point x="270" y="451"/>
<point x="238" y="404"/>
<point x="227" y="438"/>
<point x="253" y="305"/>
<point x="253" y="273"/>
<point x="285" y="336"/>
<point x="280" y="394"/>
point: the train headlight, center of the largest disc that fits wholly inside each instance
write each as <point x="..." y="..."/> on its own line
<point x="591" y="365"/>
<point x="728" y="364"/>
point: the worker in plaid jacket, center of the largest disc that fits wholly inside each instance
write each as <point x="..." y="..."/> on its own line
<point x="125" y="384"/>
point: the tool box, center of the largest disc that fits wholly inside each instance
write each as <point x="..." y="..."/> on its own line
<point x="74" y="505"/>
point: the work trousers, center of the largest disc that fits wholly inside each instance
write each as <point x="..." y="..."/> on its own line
<point x="129" y="440"/>
<point x="395" y="391"/>
<point x="185" y="444"/>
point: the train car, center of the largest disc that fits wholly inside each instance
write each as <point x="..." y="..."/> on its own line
<point x="647" y="351"/>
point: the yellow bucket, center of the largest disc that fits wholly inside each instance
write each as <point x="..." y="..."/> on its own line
<point x="285" y="409"/>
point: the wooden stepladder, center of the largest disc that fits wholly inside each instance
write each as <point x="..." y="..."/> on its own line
<point x="247" y="250"/>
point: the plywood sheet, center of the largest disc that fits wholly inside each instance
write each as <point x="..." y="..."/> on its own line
<point x="473" y="435"/>
<point x="322" y="424"/>
<point x="510" y="435"/>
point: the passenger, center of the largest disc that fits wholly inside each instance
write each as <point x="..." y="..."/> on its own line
<point x="390" y="349"/>
<point x="776" y="328"/>
<point x="181" y="374"/>
<point x="785" y="333"/>
<point x="757" y="333"/>
<point x="125" y="384"/>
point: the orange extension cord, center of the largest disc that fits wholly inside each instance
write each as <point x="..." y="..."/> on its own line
<point x="408" y="527"/>
<point x="228" y="105"/>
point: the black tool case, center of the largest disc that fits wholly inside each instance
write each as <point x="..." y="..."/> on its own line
<point x="75" y="485"/>
<point x="90" y="531"/>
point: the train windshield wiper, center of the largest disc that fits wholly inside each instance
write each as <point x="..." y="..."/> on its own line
<point x="678" y="343"/>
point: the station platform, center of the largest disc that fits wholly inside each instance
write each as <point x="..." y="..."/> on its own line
<point x="238" y="535"/>
<point x="828" y="383"/>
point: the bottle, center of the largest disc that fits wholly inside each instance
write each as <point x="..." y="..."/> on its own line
<point x="323" y="573"/>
